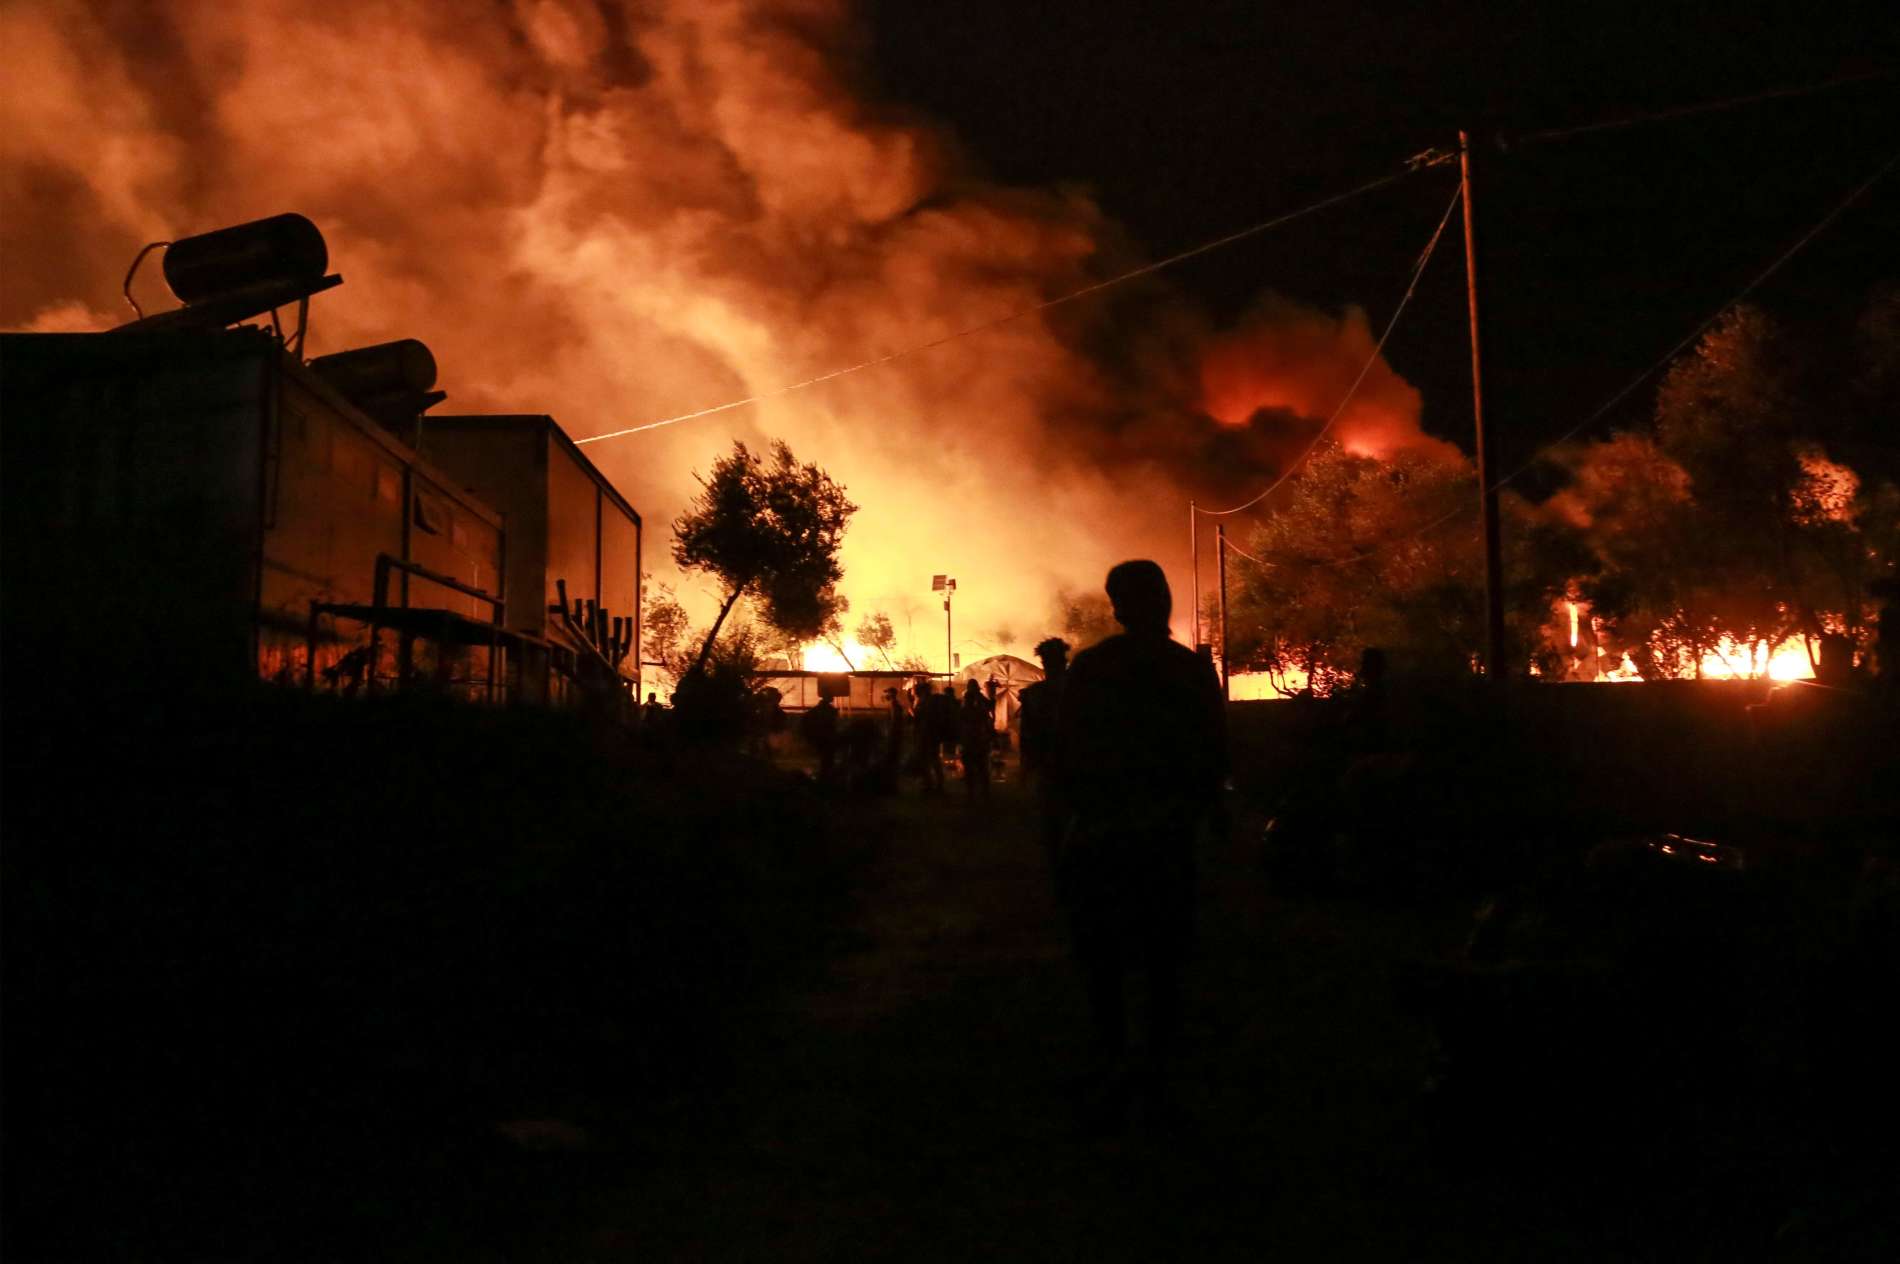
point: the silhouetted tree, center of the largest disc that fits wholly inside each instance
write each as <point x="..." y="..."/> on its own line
<point x="1364" y="552"/>
<point x="665" y="629"/>
<point x="1083" y="616"/>
<point x="1733" y="523"/>
<point x="875" y="633"/>
<point x="768" y="529"/>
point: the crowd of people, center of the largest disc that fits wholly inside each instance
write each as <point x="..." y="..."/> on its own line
<point x="1125" y="755"/>
<point x="923" y="731"/>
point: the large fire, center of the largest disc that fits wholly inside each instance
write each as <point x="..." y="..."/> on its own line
<point x="617" y="214"/>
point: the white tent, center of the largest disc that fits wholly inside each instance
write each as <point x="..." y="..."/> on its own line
<point x="1011" y="674"/>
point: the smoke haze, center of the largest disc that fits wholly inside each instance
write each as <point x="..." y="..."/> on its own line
<point x="619" y="213"/>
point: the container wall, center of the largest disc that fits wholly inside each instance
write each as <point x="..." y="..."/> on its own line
<point x="573" y="528"/>
<point x="620" y="571"/>
<point x="335" y="501"/>
<point x="503" y="462"/>
<point x="448" y="539"/>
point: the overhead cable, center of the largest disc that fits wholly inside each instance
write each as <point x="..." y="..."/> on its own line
<point x="1700" y="107"/>
<point x="1676" y="349"/>
<point x="1430" y="158"/>
<point x="1235" y="548"/>
<point x="1418" y="270"/>
<point x="1760" y="277"/>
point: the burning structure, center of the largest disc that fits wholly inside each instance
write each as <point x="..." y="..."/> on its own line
<point x="259" y="515"/>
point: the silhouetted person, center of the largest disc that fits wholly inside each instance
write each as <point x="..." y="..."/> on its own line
<point x="1143" y="750"/>
<point x="895" y="720"/>
<point x="820" y="730"/>
<point x="977" y="733"/>
<point x="1039" y="716"/>
<point x="924" y="722"/>
<point x="653" y="714"/>
<point x="947" y="717"/>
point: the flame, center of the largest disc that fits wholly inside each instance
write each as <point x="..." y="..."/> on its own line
<point x="1259" y="686"/>
<point x="820" y="656"/>
<point x="1730" y="660"/>
<point x="1827" y="491"/>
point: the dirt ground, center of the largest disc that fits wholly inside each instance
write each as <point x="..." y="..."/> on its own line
<point x="920" y="1100"/>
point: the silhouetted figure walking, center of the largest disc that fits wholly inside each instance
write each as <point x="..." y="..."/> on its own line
<point x="977" y="734"/>
<point x="1143" y="750"/>
<point x="1039" y="716"/>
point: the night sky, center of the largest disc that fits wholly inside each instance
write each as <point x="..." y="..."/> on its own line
<point x="1198" y="118"/>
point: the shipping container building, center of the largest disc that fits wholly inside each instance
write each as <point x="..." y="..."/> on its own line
<point x="203" y="502"/>
<point x="574" y="543"/>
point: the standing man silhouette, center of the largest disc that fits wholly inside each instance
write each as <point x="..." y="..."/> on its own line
<point x="1142" y="736"/>
<point x="976" y="733"/>
<point x="925" y="723"/>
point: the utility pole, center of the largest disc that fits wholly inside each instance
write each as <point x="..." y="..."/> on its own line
<point x="1194" y="569"/>
<point x="947" y="585"/>
<point x="1494" y="666"/>
<point x="1220" y="553"/>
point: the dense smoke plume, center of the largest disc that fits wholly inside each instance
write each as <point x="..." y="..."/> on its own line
<point x="615" y="214"/>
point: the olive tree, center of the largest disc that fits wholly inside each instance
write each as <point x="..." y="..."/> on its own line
<point x="769" y="529"/>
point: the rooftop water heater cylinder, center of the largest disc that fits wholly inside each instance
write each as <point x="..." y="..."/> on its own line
<point x="281" y="248"/>
<point x="388" y="368"/>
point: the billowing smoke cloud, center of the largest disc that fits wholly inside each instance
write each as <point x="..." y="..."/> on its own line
<point x="615" y="214"/>
<point x="1295" y="364"/>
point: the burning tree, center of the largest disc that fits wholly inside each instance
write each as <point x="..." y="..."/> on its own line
<point x="1369" y="552"/>
<point x="1349" y="562"/>
<point x="769" y="530"/>
<point x="1731" y="529"/>
<point x="1702" y="542"/>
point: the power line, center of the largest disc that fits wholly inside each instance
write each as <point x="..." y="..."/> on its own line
<point x="1544" y="449"/>
<point x="1700" y="107"/>
<point x="1429" y="158"/>
<point x="1754" y="284"/>
<point x="1418" y="271"/>
<point x="1235" y="548"/>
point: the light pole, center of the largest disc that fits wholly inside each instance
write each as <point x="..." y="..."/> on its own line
<point x="947" y="585"/>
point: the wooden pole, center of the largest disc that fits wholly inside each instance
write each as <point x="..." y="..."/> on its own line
<point x="1494" y="665"/>
<point x="1194" y="570"/>
<point x="1220" y="554"/>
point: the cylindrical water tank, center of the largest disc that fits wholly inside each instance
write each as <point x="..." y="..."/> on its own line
<point x="281" y="248"/>
<point x="388" y="368"/>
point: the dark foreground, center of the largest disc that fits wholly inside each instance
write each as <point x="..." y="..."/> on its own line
<point x="921" y="1102"/>
<point x="790" y="1028"/>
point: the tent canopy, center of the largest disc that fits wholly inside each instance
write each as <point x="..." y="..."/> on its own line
<point x="1012" y="676"/>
